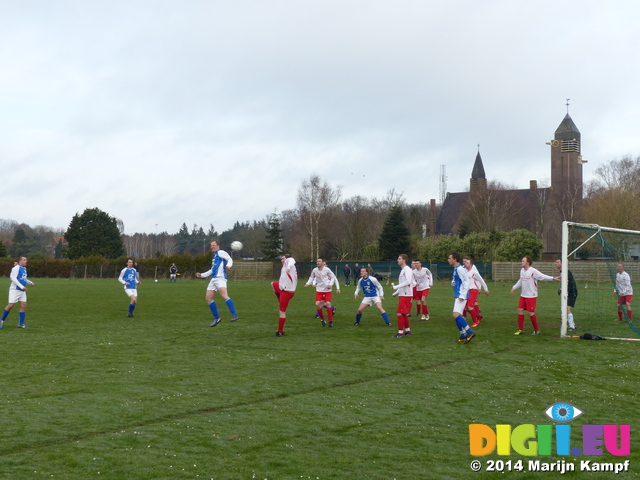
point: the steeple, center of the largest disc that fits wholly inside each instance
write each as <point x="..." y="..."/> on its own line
<point x="478" y="177"/>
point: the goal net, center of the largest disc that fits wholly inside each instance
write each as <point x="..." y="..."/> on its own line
<point x="595" y="255"/>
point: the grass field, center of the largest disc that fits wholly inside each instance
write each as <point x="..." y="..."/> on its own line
<point x="88" y="393"/>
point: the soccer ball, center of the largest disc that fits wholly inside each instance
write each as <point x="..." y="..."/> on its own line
<point x="156" y="280"/>
<point x="236" y="246"/>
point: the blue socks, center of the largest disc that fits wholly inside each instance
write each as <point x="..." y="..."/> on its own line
<point x="214" y="310"/>
<point x="358" y="317"/>
<point x="463" y="326"/>
<point x="23" y="316"/>
<point x="385" y="317"/>
<point x="232" y="308"/>
<point x="4" y="315"/>
<point x="132" y="307"/>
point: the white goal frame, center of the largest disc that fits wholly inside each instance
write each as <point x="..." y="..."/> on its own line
<point x="564" y="282"/>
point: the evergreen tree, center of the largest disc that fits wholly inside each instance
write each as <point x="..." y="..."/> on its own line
<point x="272" y="244"/>
<point x="3" y="249"/>
<point x="94" y="233"/>
<point x="394" y="238"/>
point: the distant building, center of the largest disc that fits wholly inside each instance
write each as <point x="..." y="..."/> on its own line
<point x="540" y="210"/>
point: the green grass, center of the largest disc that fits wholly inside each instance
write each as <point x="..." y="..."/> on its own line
<point x="88" y="393"/>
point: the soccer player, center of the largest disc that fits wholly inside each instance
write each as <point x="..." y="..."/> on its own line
<point x="460" y="283"/>
<point x="423" y="282"/>
<point x="323" y="279"/>
<point x="624" y="290"/>
<point x="572" y="295"/>
<point x="18" y="292"/>
<point x="220" y="262"/>
<point x="130" y="278"/>
<point x="405" y="292"/>
<point x="373" y="295"/>
<point x="529" y="278"/>
<point x="173" y="273"/>
<point x="476" y="282"/>
<point x="285" y="289"/>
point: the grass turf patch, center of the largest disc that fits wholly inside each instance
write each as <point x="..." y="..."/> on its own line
<point x="87" y="392"/>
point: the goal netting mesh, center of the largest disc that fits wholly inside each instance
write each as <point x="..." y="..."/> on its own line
<point x="593" y="253"/>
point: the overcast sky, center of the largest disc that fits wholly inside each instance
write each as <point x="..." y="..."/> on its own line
<point x="211" y="112"/>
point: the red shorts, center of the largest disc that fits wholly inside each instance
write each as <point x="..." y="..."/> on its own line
<point x="624" y="299"/>
<point x="528" y="304"/>
<point x="324" y="296"/>
<point x="404" y="305"/>
<point x="284" y="297"/>
<point x="473" y="297"/>
<point x="420" y="294"/>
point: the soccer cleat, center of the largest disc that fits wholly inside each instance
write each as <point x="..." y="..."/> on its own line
<point x="461" y="339"/>
<point x="388" y="324"/>
<point x="397" y="336"/>
<point x="333" y="309"/>
<point x="475" y="324"/>
<point x="130" y="315"/>
<point x="324" y="322"/>
<point x="427" y="316"/>
<point x="22" y="325"/>
<point x="407" y="334"/>
<point x="536" y="332"/>
<point x="279" y="334"/>
<point x="216" y="322"/>
<point x="330" y="324"/>
<point x="423" y="317"/>
<point x="469" y="338"/>
<point x="317" y="315"/>
<point x="234" y="318"/>
<point x="356" y="323"/>
<point x="519" y="332"/>
<point x="570" y="329"/>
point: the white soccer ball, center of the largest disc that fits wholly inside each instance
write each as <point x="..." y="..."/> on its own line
<point x="236" y="246"/>
<point x="156" y="280"/>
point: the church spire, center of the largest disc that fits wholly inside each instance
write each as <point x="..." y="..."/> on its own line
<point x="478" y="177"/>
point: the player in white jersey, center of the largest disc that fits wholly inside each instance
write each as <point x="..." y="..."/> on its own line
<point x="323" y="279"/>
<point x="624" y="290"/>
<point x="130" y="278"/>
<point x="405" y="292"/>
<point x="476" y="283"/>
<point x="221" y="261"/>
<point x="18" y="291"/>
<point x="529" y="278"/>
<point x="285" y="289"/>
<point x="423" y="281"/>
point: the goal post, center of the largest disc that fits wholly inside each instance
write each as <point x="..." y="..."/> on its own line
<point x="592" y="253"/>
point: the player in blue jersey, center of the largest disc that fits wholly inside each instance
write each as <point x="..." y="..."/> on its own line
<point x="373" y="295"/>
<point x="460" y="283"/>
<point x="130" y="278"/>
<point x="18" y="291"/>
<point x="221" y="261"/>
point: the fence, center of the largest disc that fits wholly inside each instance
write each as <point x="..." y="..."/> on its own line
<point x="587" y="270"/>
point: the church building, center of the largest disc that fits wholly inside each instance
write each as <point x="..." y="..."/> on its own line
<point x="540" y="210"/>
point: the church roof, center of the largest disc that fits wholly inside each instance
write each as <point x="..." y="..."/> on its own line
<point x="567" y="130"/>
<point x="478" y="168"/>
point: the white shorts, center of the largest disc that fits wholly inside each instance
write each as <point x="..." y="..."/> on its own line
<point x="458" y="306"/>
<point x="131" y="291"/>
<point x="217" y="283"/>
<point x="16" y="296"/>
<point x="371" y="301"/>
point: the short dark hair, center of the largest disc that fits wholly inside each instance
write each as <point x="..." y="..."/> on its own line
<point x="528" y="259"/>
<point x="455" y="256"/>
<point x="405" y="257"/>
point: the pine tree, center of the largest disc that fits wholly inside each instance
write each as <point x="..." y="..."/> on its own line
<point x="394" y="238"/>
<point x="272" y="244"/>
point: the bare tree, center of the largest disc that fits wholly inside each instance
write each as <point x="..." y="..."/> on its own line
<point x="316" y="198"/>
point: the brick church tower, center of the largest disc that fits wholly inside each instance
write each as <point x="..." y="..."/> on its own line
<point x="566" y="183"/>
